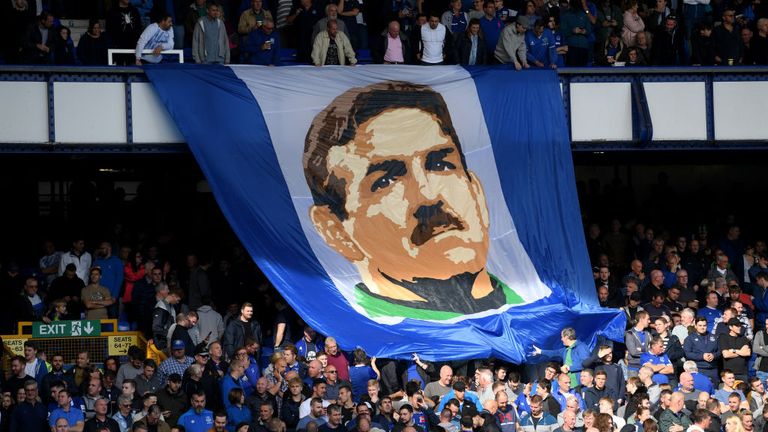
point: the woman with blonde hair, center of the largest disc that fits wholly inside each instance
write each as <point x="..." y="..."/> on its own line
<point x="733" y="424"/>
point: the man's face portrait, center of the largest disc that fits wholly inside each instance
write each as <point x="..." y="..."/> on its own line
<point x="393" y="195"/>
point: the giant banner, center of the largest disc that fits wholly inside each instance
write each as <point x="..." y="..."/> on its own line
<point x="401" y="209"/>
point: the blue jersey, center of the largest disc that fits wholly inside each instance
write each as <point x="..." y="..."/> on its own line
<point x="710" y="314"/>
<point x="194" y="422"/>
<point x="540" y="48"/>
<point x="662" y="359"/>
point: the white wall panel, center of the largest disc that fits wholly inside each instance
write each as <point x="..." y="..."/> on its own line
<point x="678" y="110"/>
<point x="151" y="121"/>
<point x="23" y="112"/>
<point x="741" y="110"/>
<point x="90" y="112"/>
<point x="601" y="112"/>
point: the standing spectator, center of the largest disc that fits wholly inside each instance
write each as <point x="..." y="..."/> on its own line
<point x="163" y="316"/>
<point x="511" y="46"/>
<point x="454" y="19"/>
<point x="74" y="416"/>
<point x="79" y="257"/>
<point x="572" y="354"/>
<point x="49" y="263"/>
<point x="668" y="47"/>
<point x="576" y="28"/>
<point x="210" y="322"/>
<point x="100" y="422"/>
<point x="491" y="26"/>
<point x="210" y="45"/>
<point x="735" y="350"/>
<point x="30" y="415"/>
<point x="337" y="358"/>
<point x="470" y="45"/>
<point x="303" y="18"/>
<point x="195" y="11"/>
<point x="157" y="37"/>
<point x="540" y="46"/>
<point x="332" y="47"/>
<point x="633" y="24"/>
<point x="177" y="363"/>
<point x="702" y="348"/>
<point x="331" y="13"/>
<point x="64" y="48"/>
<point x="760" y="55"/>
<point x="134" y="272"/>
<point x="197" y="419"/>
<point x="172" y="400"/>
<point x="123" y="29"/>
<point x="112" y="272"/>
<point x="132" y="368"/>
<point x="349" y="10"/>
<point x="29" y="305"/>
<point x="728" y="53"/>
<point x="609" y="20"/>
<point x="92" y="51"/>
<point x="253" y="18"/>
<point x="39" y="44"/>
<point x="434" y="44"/>
<point x="240" y="329"/>
<point x="392" y="46"/>
<point x="637" y="339"/>
<point x="96" y="298"/>
<point x="612" y="51"/>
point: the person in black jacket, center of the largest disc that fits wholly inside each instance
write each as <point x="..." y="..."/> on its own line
<point x="464" y="42"/>
<point x="667" y="48"/>
<point x="703" y="46"/>
<point x="379" y="51"/>
<point x="92" y="47"/>
<point x="40" y="40"/>
<point x="238" y="330"/>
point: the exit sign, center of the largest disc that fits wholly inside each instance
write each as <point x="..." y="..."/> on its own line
<point x="58" y="329"/>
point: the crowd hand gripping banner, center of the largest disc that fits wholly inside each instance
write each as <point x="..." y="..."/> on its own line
<point x="402" y="209"/>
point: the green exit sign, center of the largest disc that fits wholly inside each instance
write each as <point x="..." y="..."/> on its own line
<point x="66" y="329"/>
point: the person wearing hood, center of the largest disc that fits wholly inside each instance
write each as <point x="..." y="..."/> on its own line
<point x="164" y="315"/>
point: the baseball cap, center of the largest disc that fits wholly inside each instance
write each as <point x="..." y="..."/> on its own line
<point x="201" y="349"/>
<point x="177" y="344"/>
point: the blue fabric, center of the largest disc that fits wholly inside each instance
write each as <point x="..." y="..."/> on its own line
<point x="240" y="153"/>
<point x="579" y="353"/>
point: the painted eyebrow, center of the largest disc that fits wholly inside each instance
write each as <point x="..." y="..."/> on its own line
<point x="386" y="166"/>
<point x="438" y="155"/>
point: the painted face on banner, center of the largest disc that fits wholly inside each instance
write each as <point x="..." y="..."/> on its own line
<point x="403" y="206"/>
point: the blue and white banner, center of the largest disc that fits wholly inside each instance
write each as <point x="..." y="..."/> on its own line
<point x="402" y="209"/>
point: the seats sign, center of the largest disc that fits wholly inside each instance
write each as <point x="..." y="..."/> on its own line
<point x="59" y="329"/>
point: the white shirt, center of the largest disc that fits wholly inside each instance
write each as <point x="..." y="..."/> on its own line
<point x="30" y="368"/>
<point x="432" y="41"/>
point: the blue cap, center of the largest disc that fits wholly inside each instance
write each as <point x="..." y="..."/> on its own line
<point x="178" y="344"/>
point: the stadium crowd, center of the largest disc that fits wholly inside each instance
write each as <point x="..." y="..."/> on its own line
<point x="693" y="356"/>
<point x="523" y="33"/>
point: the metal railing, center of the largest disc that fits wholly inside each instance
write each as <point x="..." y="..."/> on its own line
<point x="112" y="52"/>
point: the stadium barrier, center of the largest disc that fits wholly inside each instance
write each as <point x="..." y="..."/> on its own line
<point x="100" y="338"/>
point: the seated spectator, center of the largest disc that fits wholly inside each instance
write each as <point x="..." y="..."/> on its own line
<point x="30" y="414"/>
<point x="540" y="46"/>
<point x="58" y="312"/>
<point x="210" y="43"/>
<point x="511" y="47"/>
<point x="454" y="19"/>
<point x="760" y="55"/>
<point x="157" y="37"/>
<point x="332" y="47"/>
<point x="40" y="40"/>
<point x="74" y="416"/>
<point x="392" y="46"/>
<point x="262" y="47"/>
<point x="64" y="48"/>
<point x="612" y="50"/>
